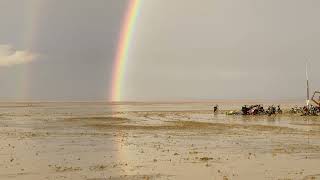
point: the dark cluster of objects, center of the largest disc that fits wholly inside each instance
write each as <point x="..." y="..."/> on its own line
<point x="259" y="110"/>
<point x="306" y="110"/>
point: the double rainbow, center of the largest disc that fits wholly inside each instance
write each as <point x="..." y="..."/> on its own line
<point x="123" y="48"/>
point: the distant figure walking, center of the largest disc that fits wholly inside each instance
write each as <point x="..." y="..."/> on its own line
<point x="279" y="110"/>
<point x="215" y="108"/>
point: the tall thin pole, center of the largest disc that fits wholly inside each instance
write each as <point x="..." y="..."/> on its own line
<point x="308" y="96"/>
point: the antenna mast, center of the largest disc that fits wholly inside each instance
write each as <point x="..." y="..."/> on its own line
<point x="308" y="96"/>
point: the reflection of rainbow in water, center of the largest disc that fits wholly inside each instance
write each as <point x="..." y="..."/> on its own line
<point x="123" y="48"/>
<point x="123" y="154"/>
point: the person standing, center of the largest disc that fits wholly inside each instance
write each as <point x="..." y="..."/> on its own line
<point x="215" y="108"/>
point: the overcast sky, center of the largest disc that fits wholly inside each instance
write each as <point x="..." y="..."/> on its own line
<point x="181" y="49"/>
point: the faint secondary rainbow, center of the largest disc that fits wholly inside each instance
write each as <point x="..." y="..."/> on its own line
<point x="123" y="48"/>
<point x="34" y="11"/>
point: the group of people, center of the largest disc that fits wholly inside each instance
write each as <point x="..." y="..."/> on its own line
<point x="309" y="110"/>
<point x="258" y="110"/>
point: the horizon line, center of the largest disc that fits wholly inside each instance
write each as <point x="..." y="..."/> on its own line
<point x="155" y="101"/>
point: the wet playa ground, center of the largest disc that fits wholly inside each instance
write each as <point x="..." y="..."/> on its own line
<point x="154" y="141"/>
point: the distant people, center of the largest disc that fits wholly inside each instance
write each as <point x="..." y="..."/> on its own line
<point x="271" y="110"/>
<point x="295" y="110"/>
<point x="279" y="111"/>
<point x="215" y="108"/>
<point x="245" y="110"/>
<point x="313" y="110"/>
<point x="261" y="109"/>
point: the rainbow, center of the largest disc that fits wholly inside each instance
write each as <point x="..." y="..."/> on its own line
<point x="34" y="11"/>
<point x="123" y="48"/>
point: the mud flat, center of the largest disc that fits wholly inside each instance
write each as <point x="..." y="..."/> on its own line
<point x="153" y="141"/>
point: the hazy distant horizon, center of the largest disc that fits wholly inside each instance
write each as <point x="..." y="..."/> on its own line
<point x="156" y="101"/>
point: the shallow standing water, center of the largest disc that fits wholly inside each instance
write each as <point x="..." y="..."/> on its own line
<point x="154" y="141"/>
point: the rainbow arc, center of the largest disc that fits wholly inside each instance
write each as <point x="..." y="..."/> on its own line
<point x="124" y="43"/>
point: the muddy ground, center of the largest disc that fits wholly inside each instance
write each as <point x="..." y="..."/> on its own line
<point x="153" y="141"/>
